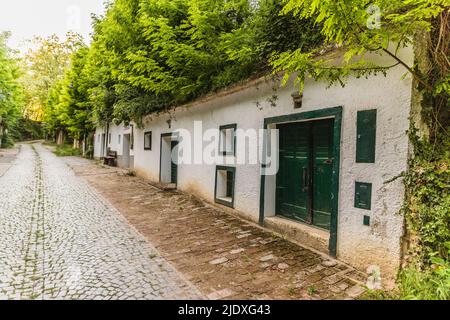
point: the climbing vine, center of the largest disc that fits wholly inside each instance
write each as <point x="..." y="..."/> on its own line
<point x="424" y="25"/>
<point x="427" y="206"/>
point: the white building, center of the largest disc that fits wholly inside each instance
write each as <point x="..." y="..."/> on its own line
<point x="338" y="147"/>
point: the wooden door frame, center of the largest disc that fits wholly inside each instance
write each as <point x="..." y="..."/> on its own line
<point x="126" y="151"/>
<point x="336" y="114"/>
<point x="173" y="137"/>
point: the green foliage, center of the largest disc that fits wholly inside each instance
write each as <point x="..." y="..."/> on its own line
<point x="430" y="284"/>
<point x="428" y="198"/>
<point x="7" y="141"/>
<point x="427" y="212"/>
<point x="66" y="150"/>
<point x="70" y="97"/>
<point x="351" y="26"/>
<point x="11" y="93"/>
<point x="150" y="55"/>
<point x="27" y="129"/>
<point x="43" y="68"/>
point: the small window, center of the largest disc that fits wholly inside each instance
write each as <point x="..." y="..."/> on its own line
<point x="227" y="140"/>
<point x="225" y="182"/>
<point x="119" y="138"/>
<point x="148" y="140"/>
<point x="109" y="138"/>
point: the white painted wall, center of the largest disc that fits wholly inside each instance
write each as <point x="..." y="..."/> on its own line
<point x="357" y="244"/>
<point x="115" y="145"/>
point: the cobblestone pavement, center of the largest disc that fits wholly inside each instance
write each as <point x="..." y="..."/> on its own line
<point x="224" y="256"/>
<point x="7" y="156"/>
<point x="59" y="239"/>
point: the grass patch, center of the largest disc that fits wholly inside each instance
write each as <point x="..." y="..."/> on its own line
<point x="49" y="143"/>
<point x="311" y="290"/>
<point x="430" y="283"/>
<point x="66" y="151"/>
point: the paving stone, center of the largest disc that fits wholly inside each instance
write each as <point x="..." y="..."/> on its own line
<point x="267" y="258"/>
<point x="77" y="245"/>
<point x="219" y="261"/>
<point x="221" y="294"/>
<point x="316" y="268"/>
<point x="265" y="265"/>
<point x="332" y="279"/>
<point x="329" y="263"/>
<point x="283" y="266"/>
<point x="173" y="227"/>
<point x="342" y="285"/>
<point x="355" y="291"/>
<point x="236" y="251"/>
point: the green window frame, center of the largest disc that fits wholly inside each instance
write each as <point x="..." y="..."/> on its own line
<point x="148" y="140"/>
<point x="223" y="146"/>
<point x="229" y="179"/>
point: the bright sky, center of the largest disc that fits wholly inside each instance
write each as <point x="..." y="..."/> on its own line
<point x="26" y="18"/>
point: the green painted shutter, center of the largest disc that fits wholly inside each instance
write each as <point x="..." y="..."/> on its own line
<point x="363" y="195"/>
<point x="322" y="172"/>
<point x="366" y="136"/>
<point x="304" y="177"/>
<point x="294" y="173"/>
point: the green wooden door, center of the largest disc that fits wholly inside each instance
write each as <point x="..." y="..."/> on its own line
<point x="304" y="177"/>
<point x="322" y="154"/>
<point x="292" y="179"/>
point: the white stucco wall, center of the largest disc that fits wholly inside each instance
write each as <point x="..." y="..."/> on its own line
<point x="358" y="245"/>
<point x="115" y="144"/>
<point x="98" y="142"/>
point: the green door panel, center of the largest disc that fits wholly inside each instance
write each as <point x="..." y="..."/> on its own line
<point x="292" y="191"/>
<point x="304" y="177"/>
<point x="322" y="172"/>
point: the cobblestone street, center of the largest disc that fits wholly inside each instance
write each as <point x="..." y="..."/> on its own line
<point x="60" y="239"/>
<point x="223" y="255"/>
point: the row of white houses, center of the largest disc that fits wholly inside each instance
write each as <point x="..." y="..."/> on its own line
<point x="329" y="154"/>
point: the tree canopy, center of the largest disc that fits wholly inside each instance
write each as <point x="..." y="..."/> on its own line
<point x="359" y="28"/>
<point x="11" y="93"/>
<point x="148" y="56"/>
<point x="44" y="68"/>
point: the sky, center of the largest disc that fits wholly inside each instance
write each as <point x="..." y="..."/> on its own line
<point x="27" y="18"/>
